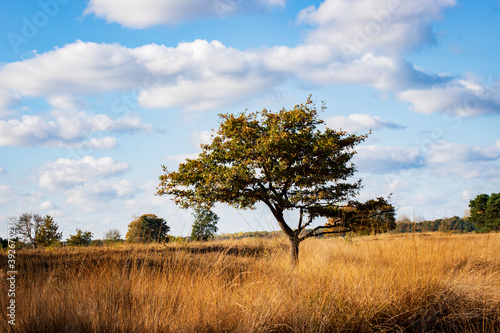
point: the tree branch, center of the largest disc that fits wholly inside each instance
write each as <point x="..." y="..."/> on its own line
<point x="300" y="220"/>
<point x="284" y="192"/>
<point x="315" y="232"/>
<point x="271" y="207"/>
<point x="262" y="187"/>
<point x="311" y="217"/>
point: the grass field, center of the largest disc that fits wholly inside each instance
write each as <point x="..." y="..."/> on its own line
<point x="391" y="283"/>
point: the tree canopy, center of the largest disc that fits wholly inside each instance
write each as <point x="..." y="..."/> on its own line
<point x="205" y="224"/>
<point x="147" y="228"/>
<point x="287" y="159"/>
<point x="112" y="236"/>
<point x="81" y="238"/>
<point x="28" y="226"/>
<point x="47" y="232"/>
<point x="485" y="211"/>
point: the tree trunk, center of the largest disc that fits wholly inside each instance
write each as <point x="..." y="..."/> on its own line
<point x="294" y="251"/>
<point x="294" y="239"/>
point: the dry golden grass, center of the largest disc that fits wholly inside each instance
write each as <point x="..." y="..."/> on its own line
<point x="390" y="283"/>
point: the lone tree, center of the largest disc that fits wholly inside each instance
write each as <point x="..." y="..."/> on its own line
<point x="28" y="227"/>
<point x="205" y="224"/>
<point x="112" y="236"/>
<point x="288" y="160"/>
<point x="147" y="228"/>
<point x="485" y="211"/>
<point x="4" y="242"/>
<point x="81" y="238"/>
<point x="47" y="232"/>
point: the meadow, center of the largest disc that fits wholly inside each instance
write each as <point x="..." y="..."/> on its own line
<point x="425" y="282"/>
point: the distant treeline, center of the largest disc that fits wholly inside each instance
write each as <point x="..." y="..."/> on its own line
<point x="454" y="223"/>
<point x="256" y="234"/>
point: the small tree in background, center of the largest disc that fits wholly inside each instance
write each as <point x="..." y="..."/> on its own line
<point x="147" y="228"/>
<point x="112" y="236"/>
<point x="403" y="218"/>
<point x="205" y="224"/>
<point x="47" y="233"/>
<point x="28" y="226"/>
<point x="4" y="242"/>
<point x="81" y="238"/>
<point x="485" y="211"/>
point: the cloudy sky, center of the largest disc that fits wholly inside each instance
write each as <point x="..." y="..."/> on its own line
<point x="95" y="95"/>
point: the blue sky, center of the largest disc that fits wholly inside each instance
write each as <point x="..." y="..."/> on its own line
<point x="96" y="95"/>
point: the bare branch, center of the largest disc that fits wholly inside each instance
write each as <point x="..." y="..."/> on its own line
<point x="316" y="232"/>
<point x="311" y="217"/>
<point x="300" y="219"/>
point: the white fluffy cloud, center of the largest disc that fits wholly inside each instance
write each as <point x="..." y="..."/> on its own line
<point x="181" y="158"/>
<point x="445" y="159"/>
<point x="202" y="75"/>
<point x="69" y="173"/>
<point x="353" y="42"/>
<point x="196" y="75"/>
<point x="100" y="191"/>
<point x="7" y="194"/>
<point x="205" y="137"/>
<point x="356" y="122"/>
<point x="47" y="205"/>
<point x="147" y="13"/>
<point x="461" y="97"/>
<point x="352" y="28"/>
<point x="78" y="68"/>
<point x="319" y="64"/>
<point x="7" y="99"/>
<point x="487" y="171"/>
<point x="25" y="130"/>
<point x="203" y="94"/>
<point x="65" y="102"/>
<point x="70" y="129"/>
<point x="385" y="159"/>
<point x="442" y="159"/>
<point x="446" y="152"/>
<point x="360" y="42"/>
<point x="105" y="143"/>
